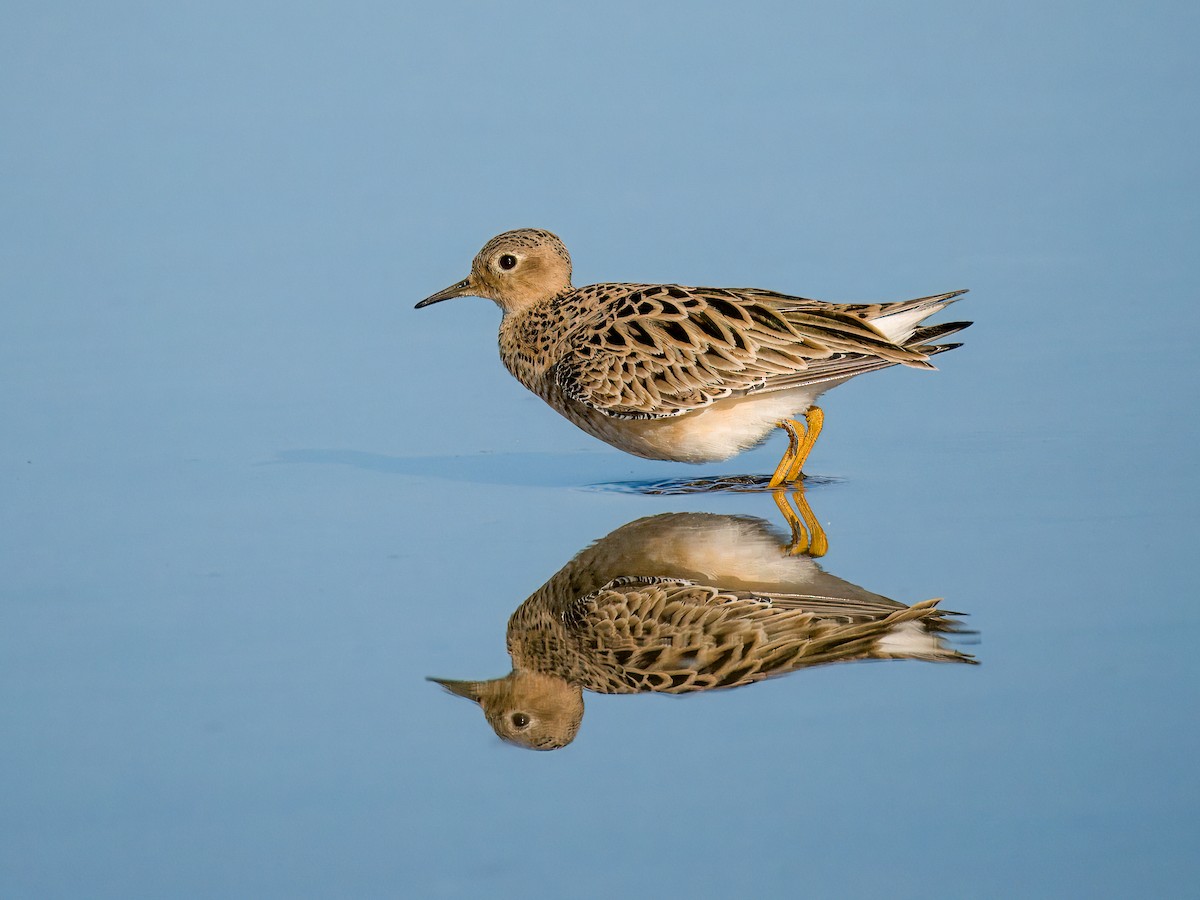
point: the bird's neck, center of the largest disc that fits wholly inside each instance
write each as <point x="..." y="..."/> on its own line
<point x="532" y="341"/>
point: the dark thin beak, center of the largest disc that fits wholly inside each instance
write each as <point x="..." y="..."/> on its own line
<point x="462" y="289"/>
<point x="468" y="689"/>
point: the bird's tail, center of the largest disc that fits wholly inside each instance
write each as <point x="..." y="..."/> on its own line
<point x="922" y="339"/>
<point x="898" y="321"/>
<point x="919" y="632"/>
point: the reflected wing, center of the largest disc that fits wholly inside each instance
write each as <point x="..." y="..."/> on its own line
<point x="676" y="636"/>
<point x="664" y="350"/>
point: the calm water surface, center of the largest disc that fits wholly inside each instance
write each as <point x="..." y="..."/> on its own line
<point x="253" y="501"/>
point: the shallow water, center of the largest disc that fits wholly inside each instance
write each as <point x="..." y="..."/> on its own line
<point x="253" y="500"/>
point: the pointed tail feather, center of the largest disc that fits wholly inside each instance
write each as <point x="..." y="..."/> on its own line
<point x="898" y="321"/>
<point x="932" y="333"/>
<point x="935" y="349"/>
<point x="922" y="338"/>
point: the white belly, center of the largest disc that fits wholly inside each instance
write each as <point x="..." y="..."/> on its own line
<point x="713" y="433"/>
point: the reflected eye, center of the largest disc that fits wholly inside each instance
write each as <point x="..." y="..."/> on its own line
<point x="520" y="720"/>
<point x="508" y="261"/>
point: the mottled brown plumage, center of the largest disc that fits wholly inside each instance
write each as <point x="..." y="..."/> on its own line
<point x="692" y="374"/>
<point x="643" y="633"/>
<point x="708" y="602"/>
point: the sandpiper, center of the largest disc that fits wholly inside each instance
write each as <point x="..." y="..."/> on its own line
<point x="691" y="374"/>
<point x="687" y="602"/>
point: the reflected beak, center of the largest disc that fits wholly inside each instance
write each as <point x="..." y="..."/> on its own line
<point x="468" y="689"/>
<point x="462" y="289"/>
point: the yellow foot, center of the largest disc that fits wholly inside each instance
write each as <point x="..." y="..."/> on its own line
<point x="785" y="464"/>
<point x="808" y="537"/>
<point x="790" y="468"/>
<point x="813" y="420"/>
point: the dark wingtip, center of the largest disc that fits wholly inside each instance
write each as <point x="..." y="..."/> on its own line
<point x="940" y="348"/>
<point x="933" y="332"/>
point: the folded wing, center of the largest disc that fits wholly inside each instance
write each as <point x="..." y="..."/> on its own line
<point x="664" y="350"/>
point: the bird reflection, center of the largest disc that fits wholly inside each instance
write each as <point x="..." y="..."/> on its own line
<point x="686" y="602"/>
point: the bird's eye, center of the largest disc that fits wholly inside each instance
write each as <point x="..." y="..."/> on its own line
<point x="508" y="261"/>
<point x="520" y="720"/>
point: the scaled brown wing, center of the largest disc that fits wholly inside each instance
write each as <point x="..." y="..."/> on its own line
<point x="664" y="350"/>
<point x="676" y="636"/>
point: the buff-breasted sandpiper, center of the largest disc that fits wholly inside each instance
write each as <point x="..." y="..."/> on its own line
<point x="686" y="602"/>
<point x="690" y="374"/>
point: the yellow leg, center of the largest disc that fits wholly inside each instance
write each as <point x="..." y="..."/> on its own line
<point x="808" y="537"/>
<point x="818" y="543"/>
<point x="785" y="464"/>
<point x="813" y="420"/>
<point x="799" y="536"/>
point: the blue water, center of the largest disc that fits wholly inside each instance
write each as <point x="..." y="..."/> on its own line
<point x="252" y="499"/>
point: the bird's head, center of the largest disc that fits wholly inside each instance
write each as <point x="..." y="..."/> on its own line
<point x="529" y="709"/>
<point x="515" y="269"/>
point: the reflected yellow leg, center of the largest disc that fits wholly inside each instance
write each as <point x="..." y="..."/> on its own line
<point x="785" y="464"/>
<point x="799" y="542"/>
<point x="818" y="543"/>
<point x="808" y="537"/>
<point x="813" y="420"/>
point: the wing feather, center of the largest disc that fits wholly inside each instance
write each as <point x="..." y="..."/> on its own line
<point x="676" y="636"/>
<point x="656" y="351"/>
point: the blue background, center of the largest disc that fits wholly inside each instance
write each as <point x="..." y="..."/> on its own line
<point x="251" y="498"/>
